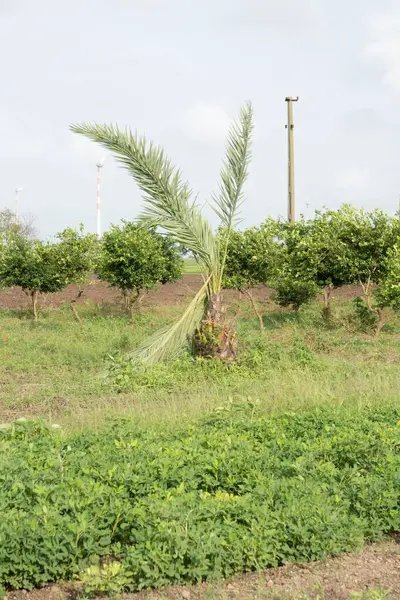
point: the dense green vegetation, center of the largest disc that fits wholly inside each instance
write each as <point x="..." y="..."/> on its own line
<point x="135" y="259"/>
<point x="43" y="267"/>
<point x="315" y="256"/>
<point x="240" y="490"/>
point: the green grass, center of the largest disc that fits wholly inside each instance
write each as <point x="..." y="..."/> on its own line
<point x="56" y="367"/>
<point x="191" y="266"/>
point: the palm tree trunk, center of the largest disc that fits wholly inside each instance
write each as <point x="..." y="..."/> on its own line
<point x="215" y="338"/>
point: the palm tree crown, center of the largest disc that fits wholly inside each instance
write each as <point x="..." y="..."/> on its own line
<point x="168" y="204"/>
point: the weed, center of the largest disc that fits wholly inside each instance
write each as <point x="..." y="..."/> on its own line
<point x="108" y="578"/>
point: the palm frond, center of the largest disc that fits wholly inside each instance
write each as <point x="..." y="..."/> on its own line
<point x="166" y="197"/>
<point x="168" y="342"/>
<point x="234" y="170"/>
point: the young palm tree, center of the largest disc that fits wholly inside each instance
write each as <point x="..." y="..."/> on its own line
<point x="168" y="204"/>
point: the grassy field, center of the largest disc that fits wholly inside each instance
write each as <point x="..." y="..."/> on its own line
<point x="58" y="368"/>
<point x="191" y="266"/>
<point x="301" y="401"/>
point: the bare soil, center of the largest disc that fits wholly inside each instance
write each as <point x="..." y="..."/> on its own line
<point x="350" y="576"/>
<point x="169" y="294"/>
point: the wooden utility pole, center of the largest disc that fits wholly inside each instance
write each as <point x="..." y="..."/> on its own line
<point x="290" y="128"/>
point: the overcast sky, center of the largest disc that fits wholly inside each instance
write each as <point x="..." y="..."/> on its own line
<point x="178" y="71"/>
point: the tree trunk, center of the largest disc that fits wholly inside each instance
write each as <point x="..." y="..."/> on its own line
<point x="366" y="288"/>
<point x="74" y="309"/>
<point x="34" y="297"/>
<point x="132" y="309"/>
<point x="125" y="297"/>
<point x="134" y="299"/>
<point x="139" y="299"/>
<point x="75" y="312"/>
<point x="215" y="338"/>
<point x="257" y="312"/>
<point x="216" y="311"/>
<point x="380" y="322"/>
<point x="327" y="310"/>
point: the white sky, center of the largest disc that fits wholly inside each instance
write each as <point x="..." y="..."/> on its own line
<point x="178" y="71"/>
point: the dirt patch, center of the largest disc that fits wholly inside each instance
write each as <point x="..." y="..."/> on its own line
<point x="169" y="294"/>
<point x="351" y="576"/>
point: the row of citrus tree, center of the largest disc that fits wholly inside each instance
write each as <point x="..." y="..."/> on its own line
<point x="299" y="261"/>
<point x="312" y="257"/>
<point x="129" y="257"/>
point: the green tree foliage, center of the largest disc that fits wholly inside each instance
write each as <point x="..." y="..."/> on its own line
<point x="134" y="259"/>
<point x="251" y="259"/>
<point x="387" y="293"/>
<point x="42" y="267"/>
<point x="293" y="275"/>
<point x="31" y="265"/>
<point x="335" y="248"/>
<point x="169" y="205"/>
<point x="368" y="236"/>
<point x="292" y="291"/>
<point x="77" y="254"/>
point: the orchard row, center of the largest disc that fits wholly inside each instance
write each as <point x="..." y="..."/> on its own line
<point x="299" y="261"/>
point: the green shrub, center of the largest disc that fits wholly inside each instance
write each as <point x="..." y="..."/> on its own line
<point x="293" y="292"/>
<point x="239" y="491"/>
<point x="365" y="318"/>
<point x="134" y="259"/>
<point x="44" y="268"/>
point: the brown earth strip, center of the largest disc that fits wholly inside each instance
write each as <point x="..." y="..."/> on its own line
<point x="376" y="569"/>
<point x="169" y="294"/>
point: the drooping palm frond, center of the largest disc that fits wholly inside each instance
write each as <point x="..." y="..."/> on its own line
<point x="166" y="197"/>
<point x="234" y="170"/>
<point x="168" y="342"/>
<point x="168" y="204"/>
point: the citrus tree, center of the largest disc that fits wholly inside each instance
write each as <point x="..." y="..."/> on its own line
<point x="75" y="255"/>
<point x="251" y="259"/>
<point x="168" y="204"/>
<point x="31" y="265"/>
<point x="387" y="293"/>
<point x="134" y="259"/>
<point x="42" y="267"/>
<point x="335" y="248"/>
<point x="319" y="255"/>
<point x="369" y="237"/>
<point x="293" y="275"/>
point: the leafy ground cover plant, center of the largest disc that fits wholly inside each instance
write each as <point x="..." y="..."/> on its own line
<point x="240" y="490"/>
